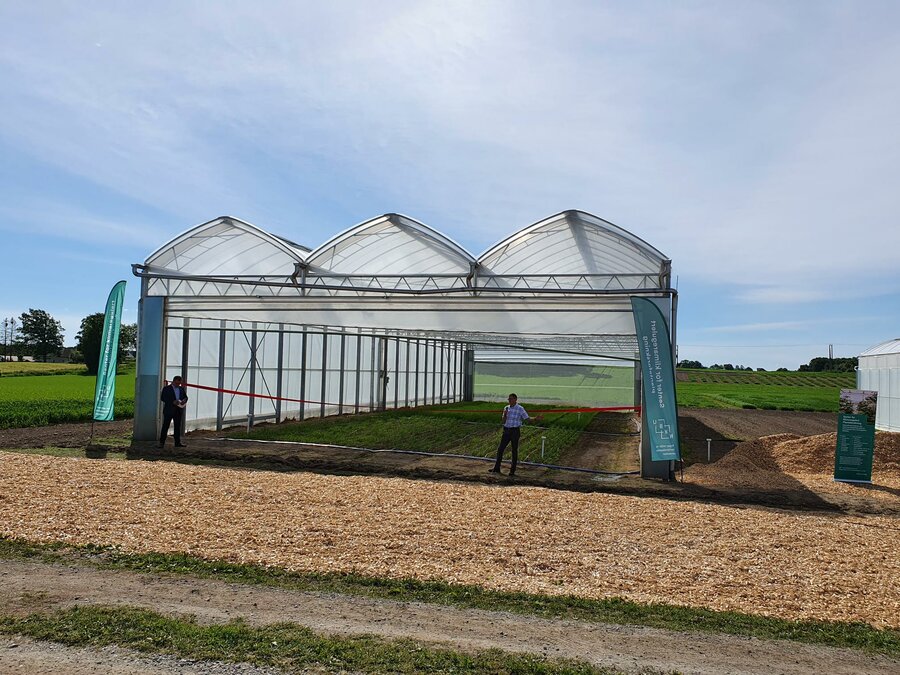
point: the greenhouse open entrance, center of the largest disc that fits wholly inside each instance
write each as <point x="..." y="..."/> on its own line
<point x="391" y="314"/>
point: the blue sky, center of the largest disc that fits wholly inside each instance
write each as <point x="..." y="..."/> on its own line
<point x="753" y="143"/>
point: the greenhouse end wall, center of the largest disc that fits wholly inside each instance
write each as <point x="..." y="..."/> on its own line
<point x="881" y="373"/>
<point x="385" y="314"/>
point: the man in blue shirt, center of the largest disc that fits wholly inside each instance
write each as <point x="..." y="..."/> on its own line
<point x="514" y="416"/>
<point x="174" y="399"/>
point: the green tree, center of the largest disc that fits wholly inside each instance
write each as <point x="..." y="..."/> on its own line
<point x="40" y="333"/>
<point x="9" y="335"/>
<point x="90" y="340"/>
<point x="824" y="364"/>
<point x="127" y="339"/>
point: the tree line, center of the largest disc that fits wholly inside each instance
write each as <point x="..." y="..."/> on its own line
<point x="820" y="364"/>
<point x="37" y="334"/>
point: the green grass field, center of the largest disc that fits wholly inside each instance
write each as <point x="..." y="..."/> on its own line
<point x="36" y="400"/>
<point x="766" y="390"/>
<point x="601" y="386"/>
<point x="590" y="386"/>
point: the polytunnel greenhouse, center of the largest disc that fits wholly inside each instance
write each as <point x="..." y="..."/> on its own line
<point x="387" y="314"/>
<point x="879" y="370"/>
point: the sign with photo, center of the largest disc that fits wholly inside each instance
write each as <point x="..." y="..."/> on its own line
<point x="856" y="436"/>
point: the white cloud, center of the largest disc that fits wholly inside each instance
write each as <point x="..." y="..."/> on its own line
<point x="60" y="221"/>
<point x="759" y="327"/>
<point x="744" y="143"/>
<point x="782" y="295"/>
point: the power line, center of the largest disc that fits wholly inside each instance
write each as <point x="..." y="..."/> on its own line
<point x="811" y="344"/>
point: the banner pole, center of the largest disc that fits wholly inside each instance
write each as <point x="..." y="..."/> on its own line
<point x="105" y="390"/>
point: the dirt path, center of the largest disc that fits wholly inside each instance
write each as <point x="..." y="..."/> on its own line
<point x="24" y="656"/>
<point x="31" y="587"/>
<point x="742" y="425"/>
<point x="611" y="442"/>
<point x="75" y="435"/>
<point x="726" y="428"/>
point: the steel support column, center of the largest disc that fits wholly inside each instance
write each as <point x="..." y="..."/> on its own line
<point x="251" y="403"/>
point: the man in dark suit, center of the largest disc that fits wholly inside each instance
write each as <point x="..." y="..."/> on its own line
<point x="174" y="399"/>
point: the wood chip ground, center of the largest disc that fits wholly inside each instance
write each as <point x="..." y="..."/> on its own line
<point x="763" y="561"/>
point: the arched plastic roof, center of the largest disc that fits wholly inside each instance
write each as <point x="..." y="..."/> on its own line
<point x="390" y="244"/>
<point x="572" y="242"/>
<point x="395" y="273"/>
<point x="228" y="246"/>
<point x="889" y="347"/>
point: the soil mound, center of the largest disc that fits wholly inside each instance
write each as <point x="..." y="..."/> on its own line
<point x="751" y="464"/>
<point x="776" y="461"/>
<point x="756" y="455"/>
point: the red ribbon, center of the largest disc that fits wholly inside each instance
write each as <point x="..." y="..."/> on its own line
<point x="300" y="400"/>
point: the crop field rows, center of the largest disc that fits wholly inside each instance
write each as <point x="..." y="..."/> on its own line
<point x="782" y="379"/>
<point x="21" y="368"/>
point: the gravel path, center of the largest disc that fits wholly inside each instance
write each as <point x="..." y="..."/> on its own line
<point x="24" y="656"/>
<point x="29" y="586"/>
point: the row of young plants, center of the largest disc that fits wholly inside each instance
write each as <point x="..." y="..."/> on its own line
<point x="470" y="428"/>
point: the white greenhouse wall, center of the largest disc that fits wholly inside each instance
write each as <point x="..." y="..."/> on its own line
<point x="881" y="373"/>
<point x="332" y="372"/>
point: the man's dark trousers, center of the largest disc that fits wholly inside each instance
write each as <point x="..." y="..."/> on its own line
<point x="510" y="436"/>
<point x="170" y="414"/>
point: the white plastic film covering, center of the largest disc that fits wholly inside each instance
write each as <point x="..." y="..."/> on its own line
<point x="879" y="370"/>
<point x="572" y="242"/>
<point x="292" y="377"/>
<point x="203" y="369"/>
<point x="392" y="245"/>
<point x="227" y="247"/>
